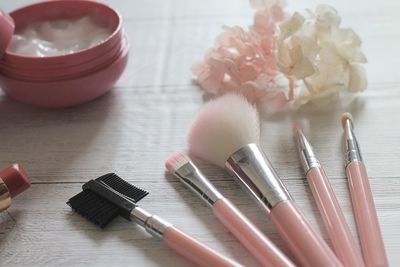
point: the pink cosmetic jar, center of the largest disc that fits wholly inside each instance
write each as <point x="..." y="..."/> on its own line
<point x="68" y="79"/>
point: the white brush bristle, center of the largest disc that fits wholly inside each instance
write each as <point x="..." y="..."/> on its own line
<point x="223" y="126"/>
<point x="175" y="161"/>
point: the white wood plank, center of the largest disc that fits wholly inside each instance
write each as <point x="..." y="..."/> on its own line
<point x="113" y="132"/>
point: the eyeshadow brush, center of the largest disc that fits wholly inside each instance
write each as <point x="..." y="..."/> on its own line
<point x="332" y="215"/>
<point x="237" y="223"/>
<point x="362" y="199"/>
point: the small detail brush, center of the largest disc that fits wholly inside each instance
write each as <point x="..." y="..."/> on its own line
<point x="13" y="181"/>
<point x="247" y="233"/>
<point x="362" y="199"/>
<point x="227" y="133"/>
<point x="109" y="196"/>
<point x="339" y="231"/>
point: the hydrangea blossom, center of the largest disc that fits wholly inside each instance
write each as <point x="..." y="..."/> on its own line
<point x="321" y="55"/>
<point x="244" y="61"/>
<point x="282" y="61"/>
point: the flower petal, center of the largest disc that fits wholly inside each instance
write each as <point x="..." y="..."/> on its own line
<point x="290" y="26"/>
<point x="357" y="78"/>
<point x="326" y="16"/>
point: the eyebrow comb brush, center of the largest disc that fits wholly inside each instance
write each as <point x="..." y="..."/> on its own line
<point x="109" y="196"/>
<point x="362" y="199"/>
<point x="237" y="223"/>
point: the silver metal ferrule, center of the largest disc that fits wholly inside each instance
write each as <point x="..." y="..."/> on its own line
<point x="252" y="168"/>
<point x="352" y="152"/>
<point x="193" y="178"/>
<point x="307" y="157"/>
<point x="152" y="223"/>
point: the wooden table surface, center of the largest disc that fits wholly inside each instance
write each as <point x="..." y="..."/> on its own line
<point x="132" y="130"/>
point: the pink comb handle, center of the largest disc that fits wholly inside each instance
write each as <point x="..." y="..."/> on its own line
<point x="248" y="234"/>
<point x="343" y="242"/>
<point x="365" y="215"/>
<point x="306" y="245"/>
<point x="195" y="251"/>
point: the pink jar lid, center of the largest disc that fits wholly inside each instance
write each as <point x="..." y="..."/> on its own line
<point x="7" y="28"/>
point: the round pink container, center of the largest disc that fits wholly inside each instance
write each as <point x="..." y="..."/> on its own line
<point x="65" y="80"/>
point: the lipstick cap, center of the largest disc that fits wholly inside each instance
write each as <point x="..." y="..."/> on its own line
<point x="15" y="178"/>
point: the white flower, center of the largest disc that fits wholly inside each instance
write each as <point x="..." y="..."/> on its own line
<point x="357" y="78"/>
<point x="293" y="62"/>
<point x="324" y="56"/>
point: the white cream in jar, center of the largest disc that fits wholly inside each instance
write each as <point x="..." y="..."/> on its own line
<point x="58" y="37"/>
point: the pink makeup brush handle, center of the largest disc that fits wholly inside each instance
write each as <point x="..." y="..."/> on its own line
<point x="248" y="234"/>
<point x="342" y="240"/>
<point x="195" y="251"/>
<point x="365" y="215"/>
<point x="306" y="245"/>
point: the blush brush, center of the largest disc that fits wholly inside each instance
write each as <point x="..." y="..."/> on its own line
<point x="237" y="223"/>
<point x="109" y="196"/>
<point x="227" y="133"/>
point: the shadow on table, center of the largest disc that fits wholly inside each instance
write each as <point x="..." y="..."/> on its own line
<point x="127" y="234"/>
<point x="329" y="112"/>
<point x="47" y="141"/>
<point x="7" y="223"/>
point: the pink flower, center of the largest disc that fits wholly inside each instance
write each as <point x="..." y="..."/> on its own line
<point x="244" y="61"/>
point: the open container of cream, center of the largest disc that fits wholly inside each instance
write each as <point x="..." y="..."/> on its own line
<point x="61" y="53"/>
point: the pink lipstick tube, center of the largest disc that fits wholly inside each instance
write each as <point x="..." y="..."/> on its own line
<point x="181" y="243"/>
<point x="363" y="202"/>
<point x="13" y="181"/>
<point x="251" y="167"/>
<point x="237" y="223"/>
<point x="339" y="232"/>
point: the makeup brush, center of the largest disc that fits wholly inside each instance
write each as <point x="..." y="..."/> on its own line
<point x="13" y="181"/>
<point x="339" y="232"/>
<point x="109" y="196"/>
<point x="362" y="199"/>
<point x="226" y="133"/>
<point x="237" y="223"/>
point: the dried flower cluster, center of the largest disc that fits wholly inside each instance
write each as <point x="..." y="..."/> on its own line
<point x="283" y="61"/>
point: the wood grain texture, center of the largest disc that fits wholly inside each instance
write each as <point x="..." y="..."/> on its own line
<point x="132" y="130"/>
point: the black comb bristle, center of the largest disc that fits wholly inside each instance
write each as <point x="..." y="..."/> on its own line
<point x="105" y="198"/>
<point x="93" y="207"/>
<point x="123" y="187"/>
